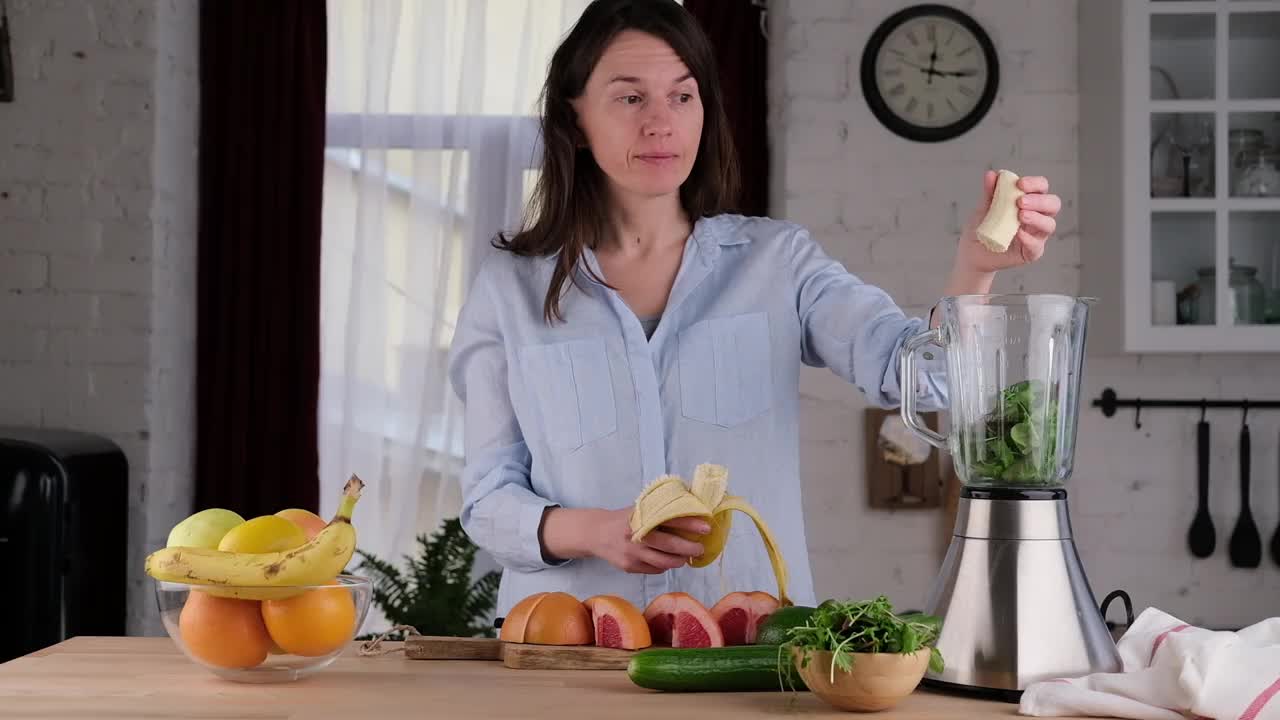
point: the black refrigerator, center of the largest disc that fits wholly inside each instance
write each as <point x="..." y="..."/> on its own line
<point x="63" y="537"/>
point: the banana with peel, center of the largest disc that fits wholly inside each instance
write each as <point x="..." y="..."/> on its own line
<point x="265" y="576"/>
<point x="668" y="498"/>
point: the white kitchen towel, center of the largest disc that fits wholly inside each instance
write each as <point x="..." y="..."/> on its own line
<point x="1174" y="671"/>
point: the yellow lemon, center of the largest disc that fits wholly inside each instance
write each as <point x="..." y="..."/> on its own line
<point x="266" y="533"/>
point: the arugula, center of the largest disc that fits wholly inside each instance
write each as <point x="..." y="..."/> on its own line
<point x="1017" y="441"/>
<point x="845" y="628"/>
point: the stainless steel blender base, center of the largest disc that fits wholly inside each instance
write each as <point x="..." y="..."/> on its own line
<point x="1015" y="604"/>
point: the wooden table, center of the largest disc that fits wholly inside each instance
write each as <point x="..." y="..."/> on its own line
<point x="95" y="677"/>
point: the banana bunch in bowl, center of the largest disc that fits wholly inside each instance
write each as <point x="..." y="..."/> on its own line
<point x="265" y="558"/>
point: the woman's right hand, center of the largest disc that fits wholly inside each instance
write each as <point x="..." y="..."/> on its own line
<point x="606" y="534"/>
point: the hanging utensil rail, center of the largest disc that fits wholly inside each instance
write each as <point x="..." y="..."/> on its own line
<point x="1109" y="403"/>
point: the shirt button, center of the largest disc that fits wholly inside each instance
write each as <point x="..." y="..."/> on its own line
<point x="928" y="355"/>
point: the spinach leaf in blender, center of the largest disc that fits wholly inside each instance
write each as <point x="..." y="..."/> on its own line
<point x="1016" y="442"/>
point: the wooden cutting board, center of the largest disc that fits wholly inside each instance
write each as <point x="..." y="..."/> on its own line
<point x="519" y="656"/>
<point x="434" y="647"/>
<point x="525" y="656"/>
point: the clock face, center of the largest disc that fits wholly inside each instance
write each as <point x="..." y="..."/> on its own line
<point x="929" y="74"/>
<point x="931" y="71"/>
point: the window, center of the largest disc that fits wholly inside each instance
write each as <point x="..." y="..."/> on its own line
<point x="431" y="150"/>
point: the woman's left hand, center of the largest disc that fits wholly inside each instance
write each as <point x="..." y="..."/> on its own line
<point x="1037" y="213"/>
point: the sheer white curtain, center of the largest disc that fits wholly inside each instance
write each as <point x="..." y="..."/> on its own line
<point x="432" y="149"/>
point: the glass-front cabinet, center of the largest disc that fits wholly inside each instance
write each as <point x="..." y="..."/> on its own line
<point x="1186" y="135"/>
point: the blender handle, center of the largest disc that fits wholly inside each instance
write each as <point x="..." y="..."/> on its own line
<point x="1128" y="605"/>
<point x="908" y="382"/>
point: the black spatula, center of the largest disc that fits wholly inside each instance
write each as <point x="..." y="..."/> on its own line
<point x="1275" y="546"/>
<point x="1246" y="545"/>
<point x="1201" y="537"/>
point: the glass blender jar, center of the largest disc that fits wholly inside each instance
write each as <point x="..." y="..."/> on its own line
<point x="1015" y="602"/>
<point x="1013" y="364"/>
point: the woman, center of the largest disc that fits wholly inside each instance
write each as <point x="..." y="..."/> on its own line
<point x="636" y="327"/>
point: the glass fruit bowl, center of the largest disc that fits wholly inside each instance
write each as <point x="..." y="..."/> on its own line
<point x="264" y="635"/>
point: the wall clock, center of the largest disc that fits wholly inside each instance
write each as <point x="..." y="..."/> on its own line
<point x="929" y="73"/>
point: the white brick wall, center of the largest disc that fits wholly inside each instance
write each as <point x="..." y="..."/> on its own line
<point x="97" y="244"/>
<point x="860" y="191"/>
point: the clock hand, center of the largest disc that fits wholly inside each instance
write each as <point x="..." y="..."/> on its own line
<point x="933" y="58"/>
<point x="921" y="68"/>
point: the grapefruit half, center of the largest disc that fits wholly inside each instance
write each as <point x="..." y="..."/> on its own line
<point x="740" y="614"/>
<point x="618" y="623"/>
<point x="677" y="619"/>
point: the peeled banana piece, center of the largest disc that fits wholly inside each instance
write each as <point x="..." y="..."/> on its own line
<point x="265" y="576"/>
<point x="998" y="227"/>
<point x="668" y="498"/>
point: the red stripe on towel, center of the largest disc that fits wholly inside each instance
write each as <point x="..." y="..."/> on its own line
<point x="1255" y="707"/>
<point x="1160" y="640"/>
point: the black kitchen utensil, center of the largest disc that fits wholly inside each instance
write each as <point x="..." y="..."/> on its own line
<point x="1246" y="545"/>
<point x="1275" y="545"/>
<point x="6" y="56"/>
<point x="1201" y="538"/>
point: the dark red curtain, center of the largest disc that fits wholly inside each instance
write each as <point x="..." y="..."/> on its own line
<point x="262" y="119"/>
<point x="741" y="53"/>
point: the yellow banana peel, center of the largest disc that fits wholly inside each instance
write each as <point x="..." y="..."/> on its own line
<point x="265" y="576"/>
<point x="668" y="498"/>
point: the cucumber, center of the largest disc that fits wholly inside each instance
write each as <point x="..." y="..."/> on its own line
<point x="773" y="631"/>
<point x="741" y="668"/>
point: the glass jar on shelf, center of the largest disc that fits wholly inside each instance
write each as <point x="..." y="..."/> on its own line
<point x="1271" y="315"/>
<point x="1260" y="176"/>
<point x="1241" y="143"/>
<point x="1247" y="298"/>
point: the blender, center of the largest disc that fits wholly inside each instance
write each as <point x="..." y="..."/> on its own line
<point x="1015" y="603"/>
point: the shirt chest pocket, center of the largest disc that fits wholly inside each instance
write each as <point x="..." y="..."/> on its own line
<point x="726" y="369"/>
<point x="572" y="387"/>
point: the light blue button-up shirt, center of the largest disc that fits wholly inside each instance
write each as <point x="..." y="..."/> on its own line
<point x="585" y="413"/>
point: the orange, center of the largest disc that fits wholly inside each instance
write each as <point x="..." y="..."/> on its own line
<point x="317" y="622"/>
<point x="225" y="632"/>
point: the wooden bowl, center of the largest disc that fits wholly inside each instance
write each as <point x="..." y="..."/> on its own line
<point x="877" y="681"/>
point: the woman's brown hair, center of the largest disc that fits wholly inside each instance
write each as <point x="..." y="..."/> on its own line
<point x="569" y="208"/>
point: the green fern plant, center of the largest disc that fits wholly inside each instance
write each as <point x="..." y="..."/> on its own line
<point x="435" y="593"/>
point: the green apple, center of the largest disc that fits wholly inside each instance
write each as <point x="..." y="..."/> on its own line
<point x="205" y="529"/>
